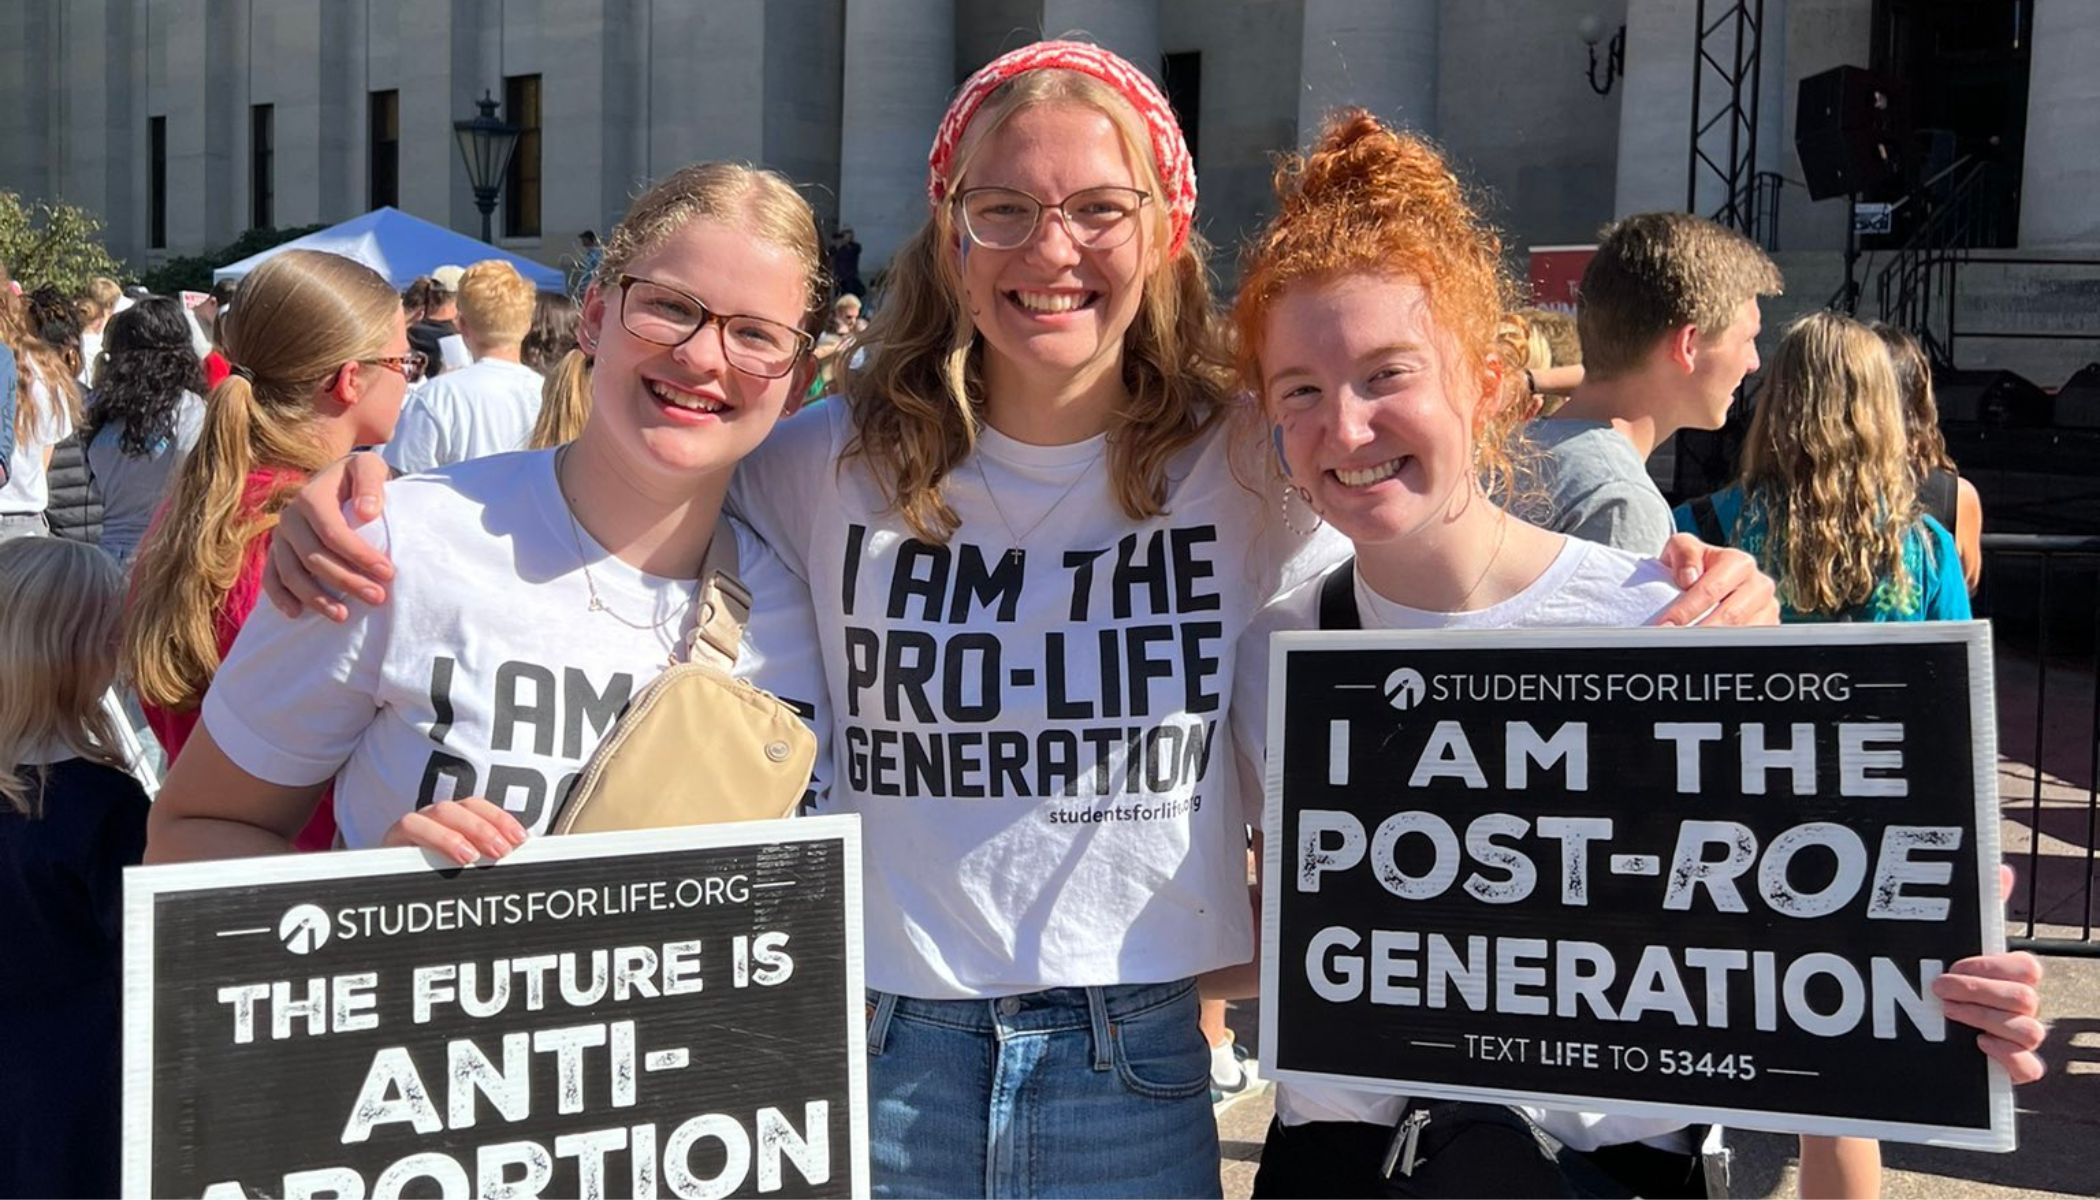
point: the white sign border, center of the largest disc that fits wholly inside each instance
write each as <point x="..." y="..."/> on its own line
<point x="1975" y="636"/>
<point x="144" y="884"/>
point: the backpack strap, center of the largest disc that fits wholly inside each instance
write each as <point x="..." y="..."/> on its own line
<point x="1709" y="522"/>
<point x="1338" y="598"/>
<point x="724" y="604"/>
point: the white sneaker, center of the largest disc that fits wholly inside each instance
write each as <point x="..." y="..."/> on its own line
<point x="1234" y="1075"/>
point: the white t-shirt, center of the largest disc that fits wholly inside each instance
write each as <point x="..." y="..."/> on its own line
<point x="1032" y="819"/>
<point x="486" y="672"/>
<point x="487" y="408"/>
<point x="1586" y="585"/>
<point x="27" y="490"/>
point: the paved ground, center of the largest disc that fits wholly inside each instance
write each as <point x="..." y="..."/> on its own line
<point x="2059" y="1121"/>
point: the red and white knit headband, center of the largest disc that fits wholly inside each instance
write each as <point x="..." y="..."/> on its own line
<point x="1170" y="151"/>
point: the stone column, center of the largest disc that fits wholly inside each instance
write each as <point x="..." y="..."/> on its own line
<point x="2060" y="178"/>
<point x="900" y="58"/>
<point x="1128" y="27"/>
<point x="1379" y="54"/>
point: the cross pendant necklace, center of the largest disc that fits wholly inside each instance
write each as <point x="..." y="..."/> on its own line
<point x="1016" y="556"/>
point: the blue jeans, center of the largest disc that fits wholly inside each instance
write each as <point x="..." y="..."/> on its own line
<point x="1100" y="1091"/>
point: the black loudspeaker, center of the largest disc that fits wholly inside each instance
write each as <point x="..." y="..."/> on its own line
<point x="1850" y="129"/>
<point x="1992" y="397"/>
<point x="2078" y="400"/>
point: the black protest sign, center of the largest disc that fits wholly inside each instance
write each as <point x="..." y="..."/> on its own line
<point x="1707" y="874"/>
<point x="668" y="1012"/>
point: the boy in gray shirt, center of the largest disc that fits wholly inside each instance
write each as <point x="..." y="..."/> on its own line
<point x="1669" y="323"/>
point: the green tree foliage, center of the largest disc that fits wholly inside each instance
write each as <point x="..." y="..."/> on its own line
<point x="192" y="272"/>
<point x="52" y="243"/>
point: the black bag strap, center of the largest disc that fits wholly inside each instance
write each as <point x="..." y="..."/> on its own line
<point x="1709" y="522"/>
<point x="1338" y="598"/>
<point x="1939" y="494"/>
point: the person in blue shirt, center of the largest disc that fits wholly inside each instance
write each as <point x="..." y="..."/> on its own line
<point x="1825" y="499"/>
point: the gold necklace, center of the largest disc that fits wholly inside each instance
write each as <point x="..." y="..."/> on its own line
<point x="597" y="603"/>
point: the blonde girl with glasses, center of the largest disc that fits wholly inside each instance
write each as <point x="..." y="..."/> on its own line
<point x="71" y="819"/>
<point x="533" y="582"/>
<point x="321" y="342"/>
<point x="1033" y="528"/>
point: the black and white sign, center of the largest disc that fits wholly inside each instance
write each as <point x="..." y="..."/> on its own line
<point x="667" y="1012"/>
<point x="1651" y="872"/>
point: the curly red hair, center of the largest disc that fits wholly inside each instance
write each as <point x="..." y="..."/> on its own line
<point x="1371" y="200"/>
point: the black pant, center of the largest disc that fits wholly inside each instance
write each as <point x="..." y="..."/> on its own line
<point x="1342" y="1159"/>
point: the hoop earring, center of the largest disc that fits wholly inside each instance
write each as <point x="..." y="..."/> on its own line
<point x="1306" y="500"/>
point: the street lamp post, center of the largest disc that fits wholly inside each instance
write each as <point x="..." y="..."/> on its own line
<point x="486" y="142"/>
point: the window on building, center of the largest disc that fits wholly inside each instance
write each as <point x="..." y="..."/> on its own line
<point x="383" y="153"/>
<point x="1182" y="75"/>
<point x="157" y="183"/>
<point x="262" y="164"/>
<point x="521" y="184"/>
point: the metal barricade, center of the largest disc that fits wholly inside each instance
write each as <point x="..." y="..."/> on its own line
<point x="2042" y="596"/>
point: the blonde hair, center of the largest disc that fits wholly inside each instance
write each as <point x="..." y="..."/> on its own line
<point x="1654" y="272"/>
<point x="38" y="369"/>
<point x="1827" y="464"/>
<point x="916" y="403"/>
<point x="60" y="603"/>
<point x="302" y="315"/>
<point x="99" y="301"/>
<point x="1368" y="199"/>
<point x="496" y="303"/>
<point x="1557" y="328"/>
<point x="755" y="201"/>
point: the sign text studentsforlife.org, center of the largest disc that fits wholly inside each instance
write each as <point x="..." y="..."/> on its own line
<point x="659" y="1013"/>
<point x="1707" y="874"/>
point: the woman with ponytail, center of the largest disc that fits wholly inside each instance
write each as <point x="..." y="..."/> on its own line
<point x="322" y="347"/>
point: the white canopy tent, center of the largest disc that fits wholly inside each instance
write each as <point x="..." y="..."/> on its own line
<point x="400" y="247"/>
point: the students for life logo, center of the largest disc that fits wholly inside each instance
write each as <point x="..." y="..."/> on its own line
<point x="304" y="928"/>
<point x="1405" y="688"/>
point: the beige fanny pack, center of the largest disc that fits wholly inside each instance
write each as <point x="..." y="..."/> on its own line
<point x="698" y="746"/>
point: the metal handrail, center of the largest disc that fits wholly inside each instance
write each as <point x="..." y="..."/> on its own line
<point x="2047" y="549"/>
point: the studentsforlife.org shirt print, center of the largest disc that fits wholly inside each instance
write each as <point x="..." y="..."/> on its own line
<point x="486" y="673"/>
<point x="1035" y="740"/>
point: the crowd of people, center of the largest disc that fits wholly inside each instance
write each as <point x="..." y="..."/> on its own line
<point x="1047" y="380"/>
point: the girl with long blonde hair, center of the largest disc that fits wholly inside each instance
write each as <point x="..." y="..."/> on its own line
<point x="699" y="324"/>
<point x="71" y="819"/>
<point x="47" y="407"/>
<point x="1826" y="497"/>
<point x="1033" y="527"/>
<point x="322" y="350"/>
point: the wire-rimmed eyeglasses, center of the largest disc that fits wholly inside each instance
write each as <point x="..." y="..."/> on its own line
<point x="1098" y="218"/>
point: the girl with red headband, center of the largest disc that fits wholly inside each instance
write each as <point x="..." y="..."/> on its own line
<point x="1034" y="529"/>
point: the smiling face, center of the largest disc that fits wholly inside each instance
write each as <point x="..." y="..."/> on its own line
<point x="1377" y="413"/>
<point x="671" y="412"/>
<point x="1052" y="308"/>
